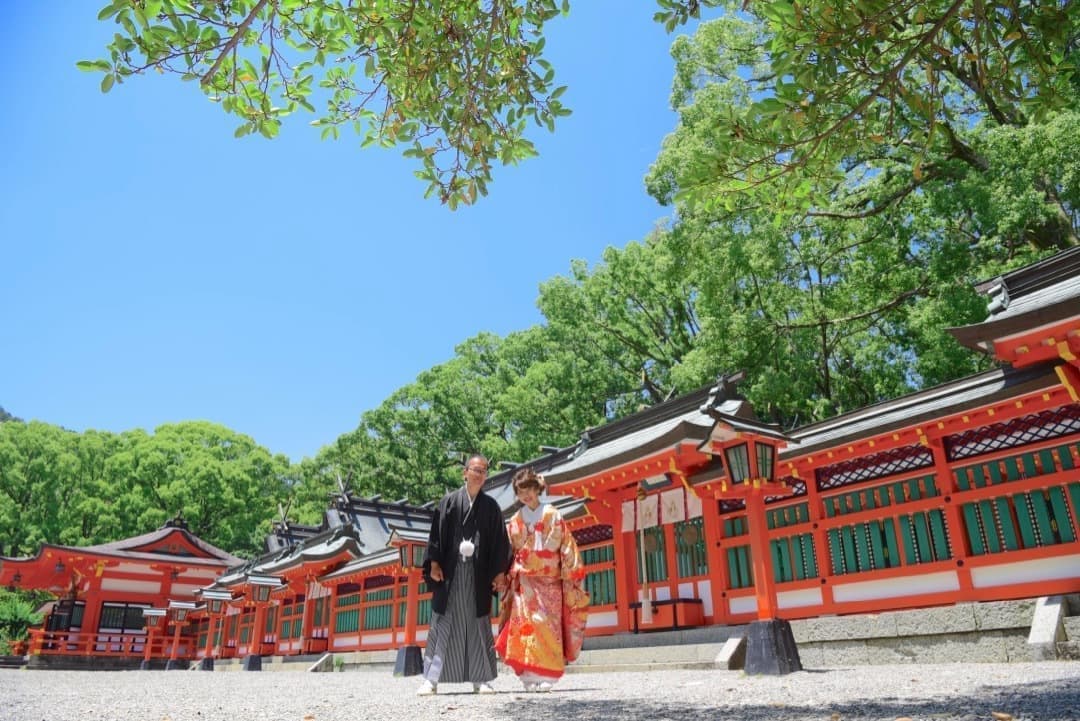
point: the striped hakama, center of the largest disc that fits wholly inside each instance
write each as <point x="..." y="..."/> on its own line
<point x="460" y="647"/>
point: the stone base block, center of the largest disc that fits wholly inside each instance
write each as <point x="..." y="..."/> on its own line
<point x="771" y="649"/>
<point x="409" y="661"/>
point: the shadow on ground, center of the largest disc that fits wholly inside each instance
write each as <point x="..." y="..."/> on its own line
<point x="1043" y="701"/>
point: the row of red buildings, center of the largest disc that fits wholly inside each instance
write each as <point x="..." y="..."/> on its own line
<point x="689" y="513"/>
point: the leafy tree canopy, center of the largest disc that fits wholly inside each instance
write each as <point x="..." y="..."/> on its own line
<point x="817" y="89"/>
<point x="457" y="83"/>
<point x="830" y="269"/>
<point x="81" y="489"/>
<point x="841" y="172"/>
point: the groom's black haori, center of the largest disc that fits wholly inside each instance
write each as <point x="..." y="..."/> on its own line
<point x="469" y="548"/>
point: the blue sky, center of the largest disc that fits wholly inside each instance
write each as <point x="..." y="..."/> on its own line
<point x="157" y="270"/>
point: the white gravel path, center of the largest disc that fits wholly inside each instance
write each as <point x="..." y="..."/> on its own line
<point x="949" y="692"/>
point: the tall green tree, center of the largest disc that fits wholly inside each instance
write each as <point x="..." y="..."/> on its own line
<point x="611" y="337"/>
<point x="633" y="315"/>
<point x="843" y="90"/>
<point x="76" y="489"/>
<point x="841" y="299"/>
<point x="458" y="82"/>
<point x="37" y="478"/>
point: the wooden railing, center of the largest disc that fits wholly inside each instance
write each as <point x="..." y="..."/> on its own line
<point x="79" y="643"/>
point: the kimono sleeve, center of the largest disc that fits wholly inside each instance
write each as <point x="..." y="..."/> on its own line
<point x="434" y="547"/>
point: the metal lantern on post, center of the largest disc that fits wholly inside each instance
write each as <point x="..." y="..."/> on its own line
<point x="178" y="612"/>
<point x="215" y="600"/>
<point x="260" y="588"/>
<point x="152" y="617"/>
<point x="749" y="449"/>
<point x="411" y="544"/>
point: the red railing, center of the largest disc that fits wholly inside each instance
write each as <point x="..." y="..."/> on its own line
<point x="79" y="643"/>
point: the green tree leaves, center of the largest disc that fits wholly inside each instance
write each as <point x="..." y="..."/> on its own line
<point x="849" y="172"/>
<point x="838" y="83"/>
<point x="17" y="614"/>
<point x="80" y="489"/>
<point x="457" y="84"/>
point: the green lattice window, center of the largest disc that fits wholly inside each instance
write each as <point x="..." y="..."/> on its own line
<point x="793" y="558"/>
<point x="881" y="496"/>
<point x="600" y="583"/>
<point x="690" y="556"/>
<point x="347" y="621"/>
<point x="271" y="620"/>
<point x="737" y="557"/>
<point x="655" y="555"/>
<point x="788" y="515"/>
<point x="1021" y="520"/>
<point x="378" y="608"/>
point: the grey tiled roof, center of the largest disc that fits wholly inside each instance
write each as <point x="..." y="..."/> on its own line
<point x="595" y="454"/>
<point x="691" y="424"/>
<point x="385" y="557"/>
<point x="372" y="519"/>
<point x="1037" y="294"/>
<point x="1064" y="290"/>
<point x="918" y="407"/>
<point x="127" y="548"/>
<point x="314" y="549"/>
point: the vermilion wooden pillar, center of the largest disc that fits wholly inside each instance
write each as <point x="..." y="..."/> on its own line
<point x="625" y="563"/>
<point x="764" y="578"/>
<point x="91" y="615"/>
<point x="412" y="606"/>
<point x="258" y="629"/>
<point x="149" y="648"/>
<point x="175" y="651"/>
<point x="954" y="521"/>
<point x="308" y="626"/>
<point x="253" y="660"/>
<point x="718" y="573"/>
<point x="409" y="660"/>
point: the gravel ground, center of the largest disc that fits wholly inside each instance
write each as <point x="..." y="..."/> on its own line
<point x="947" y="692"/>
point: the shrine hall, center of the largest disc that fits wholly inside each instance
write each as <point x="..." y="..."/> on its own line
<point x="690" y="513"/>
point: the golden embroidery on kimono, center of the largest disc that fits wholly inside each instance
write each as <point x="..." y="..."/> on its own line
<point x="546" y="623"/>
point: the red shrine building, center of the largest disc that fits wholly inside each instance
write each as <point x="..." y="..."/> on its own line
<point x="102" y="591"/>
<point x="689" y="513"/>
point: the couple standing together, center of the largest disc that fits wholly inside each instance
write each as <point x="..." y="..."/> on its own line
<point x="471" y="553"/>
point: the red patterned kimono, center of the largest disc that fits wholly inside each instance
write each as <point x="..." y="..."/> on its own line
<point x="546" y="624"/>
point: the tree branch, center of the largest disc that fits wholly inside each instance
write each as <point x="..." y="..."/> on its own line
<point x="233" y="41"/>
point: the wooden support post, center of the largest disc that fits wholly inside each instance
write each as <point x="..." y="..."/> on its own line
<point x="410" y="661"/>
<point x="207" y="662"/>
<point x="175" y="651"/>
<point x="253" y="660"/>
<point x="88" y="628"/>
<point x="719" y="579"/>
<point x="308" y="624"/>
<point x="954" y="522"/>
<point x="764" y="579"/>
<point x="822" y="555"/>
<point x="624" y="593"/>
<point x="671" y="558"/>
<point x="412" y="606"/>
<point x="148" y="649"/>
